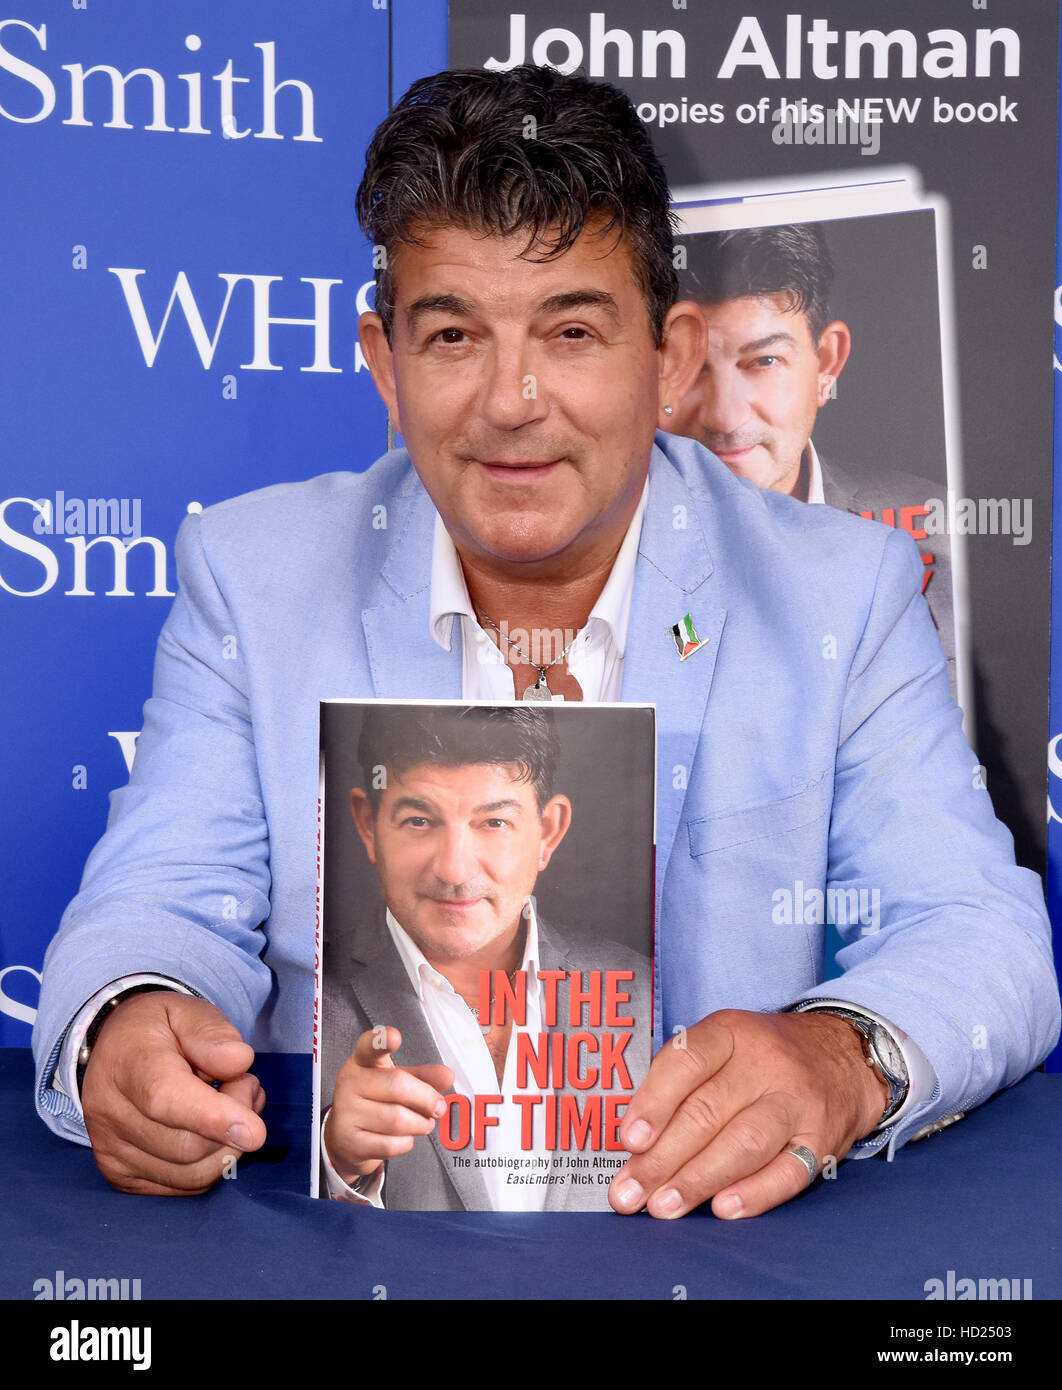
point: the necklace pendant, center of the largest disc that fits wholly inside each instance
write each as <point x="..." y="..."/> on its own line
<point x="540" y="690"/>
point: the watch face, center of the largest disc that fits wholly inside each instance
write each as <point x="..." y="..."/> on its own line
<point x="888" y="1052"/>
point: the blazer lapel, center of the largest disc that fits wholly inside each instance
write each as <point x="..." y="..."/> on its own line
<point x="405" y="661"/>
<point x="673" y="565"/>
<point x="838" y="488"/>
<point x="383" y="990"/>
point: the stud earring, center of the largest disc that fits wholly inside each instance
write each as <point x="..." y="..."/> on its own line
<point x="668" y="410"/>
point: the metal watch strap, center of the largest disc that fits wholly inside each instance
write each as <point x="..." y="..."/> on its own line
<point x="85" y="1050"/>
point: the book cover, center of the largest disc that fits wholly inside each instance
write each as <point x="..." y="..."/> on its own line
<point x="484" y="951"/>
<point x="863" y="260"/>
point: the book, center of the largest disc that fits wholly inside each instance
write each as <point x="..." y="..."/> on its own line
<point x="861" y="245"/>
<point x="484" y="948"/>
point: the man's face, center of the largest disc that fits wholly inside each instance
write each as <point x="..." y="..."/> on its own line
<point x="763" y="379"/>
<point x="457" y="851"/>
<point x="527" y="391"/>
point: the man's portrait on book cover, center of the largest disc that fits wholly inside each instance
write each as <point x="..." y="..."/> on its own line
<point x="455" y="949"/>
<point x="824" y="377"/>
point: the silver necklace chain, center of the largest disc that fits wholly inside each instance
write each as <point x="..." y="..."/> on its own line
<point x="540" y="690"/>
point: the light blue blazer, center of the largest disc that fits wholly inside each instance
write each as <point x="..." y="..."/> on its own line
<point x="811" y="744"/>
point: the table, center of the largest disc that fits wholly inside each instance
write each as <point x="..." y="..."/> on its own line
<point x="980" y="1199"/>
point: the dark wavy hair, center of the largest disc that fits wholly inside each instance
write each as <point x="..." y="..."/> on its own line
<point x="398" y="737"/>
<point x="751" y="262"/>
<point x="525" y="150"/>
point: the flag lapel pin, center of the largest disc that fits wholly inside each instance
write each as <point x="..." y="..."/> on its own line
<point x="686" y="640"/>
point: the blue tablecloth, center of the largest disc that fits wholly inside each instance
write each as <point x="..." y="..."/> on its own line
<point x="980" y="1199"/>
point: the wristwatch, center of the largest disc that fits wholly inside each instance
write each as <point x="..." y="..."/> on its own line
<point x="881" y="1051"/>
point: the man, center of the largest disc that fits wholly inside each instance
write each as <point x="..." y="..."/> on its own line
<point x="774" y="357"/>
<point x="528" y="344"/>
<point x="465" y="822"/>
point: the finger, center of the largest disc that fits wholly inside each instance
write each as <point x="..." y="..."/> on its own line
<point x="388" y="1085"/>
<point x="126" y="1123"/>
<point x="373" y="1132"/>
<point x="750" y="1141"/>
<point x="372" y="1118"/>
<point x="207" y="1039"/>
<point x="130" y="1170"/>
<point x="695" y="1123"/>
<point x="440" y="1078"/>
<point x="165" y="1092"/>
<point x="247" y="1089"/>
<point x="126" y="1130"/>
<point x="375" y="1046"/>
<point x="356" y="1150"/>
<point x="784" y="1178"/>
<point x="678" y="1069"/>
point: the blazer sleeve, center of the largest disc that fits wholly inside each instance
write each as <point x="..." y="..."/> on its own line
<point x="959" y="953"/>
<point x="179" y="884"/>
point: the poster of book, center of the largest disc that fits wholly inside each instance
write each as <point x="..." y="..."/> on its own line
<point x="484" y="1000"/>
<point x="921" y="138"/>
<point x="794" y="278"/>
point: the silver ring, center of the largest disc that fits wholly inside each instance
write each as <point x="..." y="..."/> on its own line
<point x="808" y="1159"/>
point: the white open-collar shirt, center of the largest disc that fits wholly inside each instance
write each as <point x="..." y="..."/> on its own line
<point x="596" y="658"/>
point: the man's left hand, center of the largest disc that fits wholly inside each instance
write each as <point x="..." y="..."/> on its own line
<point x="725" y="1098"/>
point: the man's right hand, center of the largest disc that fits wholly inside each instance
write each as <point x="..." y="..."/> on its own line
<point x="378" y="1109"/>
<point x="156" y="1124"/>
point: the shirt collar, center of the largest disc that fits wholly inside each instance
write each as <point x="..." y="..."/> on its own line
<point x="449" y="592"/>
<point x="613" y="606"/>
<point x="815" y="493"/>
<point x="422" y="973"/>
